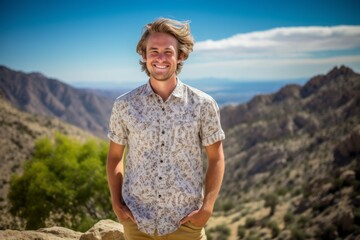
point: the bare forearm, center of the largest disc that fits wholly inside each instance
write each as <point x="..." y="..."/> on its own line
<point x="115" y="177"/>
<point x="115" y="170"/>
<point x="213" y="182"/>
<point x="214" y="177"/>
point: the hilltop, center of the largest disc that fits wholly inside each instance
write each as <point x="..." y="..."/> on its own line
<point x="300" y="146"/>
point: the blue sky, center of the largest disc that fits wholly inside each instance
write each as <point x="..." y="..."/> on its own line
<point x="91" y="42"/>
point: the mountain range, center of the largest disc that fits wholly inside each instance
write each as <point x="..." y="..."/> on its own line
<point x="90" y="108"/>
<point x="35" y="93"/>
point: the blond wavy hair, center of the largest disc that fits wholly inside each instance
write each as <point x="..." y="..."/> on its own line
<point x="179" y="30"/>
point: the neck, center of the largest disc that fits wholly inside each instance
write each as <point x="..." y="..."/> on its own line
<point x="163" y="88"/>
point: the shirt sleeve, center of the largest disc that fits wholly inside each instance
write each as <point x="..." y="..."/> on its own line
<point x="211" y="131"/>
<point x="117" y="129"/>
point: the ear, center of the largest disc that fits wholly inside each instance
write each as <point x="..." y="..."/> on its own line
<point x="181" y="57"/>
<point x="143" y="57"/>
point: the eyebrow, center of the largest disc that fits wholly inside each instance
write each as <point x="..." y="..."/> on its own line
<point x="155" y="48"/>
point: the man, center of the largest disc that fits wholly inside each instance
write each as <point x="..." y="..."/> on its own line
<point x="164" y="123"/>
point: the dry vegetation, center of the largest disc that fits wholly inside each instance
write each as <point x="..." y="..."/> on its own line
<point x="301" y="147"/>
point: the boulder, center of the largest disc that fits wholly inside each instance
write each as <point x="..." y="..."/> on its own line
<point x="104" y="230"/>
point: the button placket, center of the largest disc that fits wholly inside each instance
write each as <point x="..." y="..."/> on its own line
<point x="163" y="131"/>
<point x="162" y="140"/>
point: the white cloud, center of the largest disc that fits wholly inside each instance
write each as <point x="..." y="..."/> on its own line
<point x="279" y="53"/>
<point x="265" y="69"/>
<point x="282" y="42"/>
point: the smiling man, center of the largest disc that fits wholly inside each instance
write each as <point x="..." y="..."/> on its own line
<point x="164" y="124"/>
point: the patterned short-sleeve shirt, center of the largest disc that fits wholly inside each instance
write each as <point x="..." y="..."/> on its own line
<point x="163" y="179"/>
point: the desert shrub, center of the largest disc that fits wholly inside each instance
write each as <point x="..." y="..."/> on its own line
<point x="209" y="235"/>
<point x="357" y="215"/>
<point x="303" y="220"/>
<point x="337" y="184"/>
<point x="297" y="234"/>
<point x="250" y="222"/>
<point x="328" y="232"/>
<point x="356" y="229"/>
<point x="228" y="205"/>
<point x="253" y="235"/>
<point x="223" y="205"/>
<point x="220" y="232"/>
<point x="356" y="186"/>
<point x="241" y="231"/>
<point x="306" y="190"/>
<point x="281" y="191"/>
<point x="288" y="218"/>
<point x="274" y="227"/>
<point x="295" y="192"/>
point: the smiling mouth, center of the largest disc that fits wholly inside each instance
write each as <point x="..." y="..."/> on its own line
<point x="160" y="66"/>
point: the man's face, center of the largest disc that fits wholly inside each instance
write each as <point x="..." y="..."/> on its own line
<point x="161" y="56"/>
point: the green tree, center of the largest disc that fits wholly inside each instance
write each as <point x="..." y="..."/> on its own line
<point x="65" y="182"/>
<point x="271" y="201"/>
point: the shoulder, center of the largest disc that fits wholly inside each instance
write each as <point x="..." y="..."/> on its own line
<point x="199" y="96"/>
<point x="130" y="96"/>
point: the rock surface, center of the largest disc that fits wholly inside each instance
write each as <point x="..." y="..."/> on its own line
<point x="103" y="230"/>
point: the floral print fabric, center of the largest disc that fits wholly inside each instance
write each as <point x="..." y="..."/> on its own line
<point x="164" y="175"/>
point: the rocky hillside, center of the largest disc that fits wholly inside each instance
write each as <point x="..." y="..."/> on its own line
<point x="35" y="93"/>
<point x="293" y="162"/>
<point x="19" y="130"/>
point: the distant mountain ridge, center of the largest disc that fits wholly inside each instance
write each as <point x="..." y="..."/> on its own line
<point x="90" y="109"/>
<point x="35" y="93"/>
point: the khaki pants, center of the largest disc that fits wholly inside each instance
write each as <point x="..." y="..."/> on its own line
<point x="186" y="231"/>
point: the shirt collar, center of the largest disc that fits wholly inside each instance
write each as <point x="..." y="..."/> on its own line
<point x="177" y="92"/>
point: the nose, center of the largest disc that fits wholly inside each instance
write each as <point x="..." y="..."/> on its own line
<point x="161" y="57"/>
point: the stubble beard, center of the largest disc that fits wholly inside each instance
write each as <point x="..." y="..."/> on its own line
<point x="162" y="77"/>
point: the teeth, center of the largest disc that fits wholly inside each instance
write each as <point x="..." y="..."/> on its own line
<point x="162" y="67"/>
